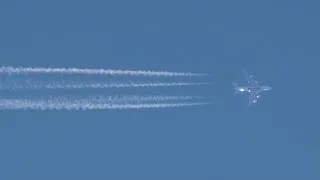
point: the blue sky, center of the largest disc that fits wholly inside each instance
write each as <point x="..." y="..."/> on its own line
<point x="276" y="41"/>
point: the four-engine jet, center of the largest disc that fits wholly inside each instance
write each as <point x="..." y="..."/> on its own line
<point x="253" y="88"/>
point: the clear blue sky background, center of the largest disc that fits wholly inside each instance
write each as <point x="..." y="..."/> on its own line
<point x="277" y="41"/>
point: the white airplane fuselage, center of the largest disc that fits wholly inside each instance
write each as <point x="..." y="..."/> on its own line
<point x="253" y="88"/>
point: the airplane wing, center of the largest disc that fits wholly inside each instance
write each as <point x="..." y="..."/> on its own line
<point x="253" y="97"/>
<point x="249" y="78"/>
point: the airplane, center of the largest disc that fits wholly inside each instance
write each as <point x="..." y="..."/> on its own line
<point x="253" y="88"/>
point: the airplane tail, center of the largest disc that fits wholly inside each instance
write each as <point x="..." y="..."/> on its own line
<point x="235" y="86"/>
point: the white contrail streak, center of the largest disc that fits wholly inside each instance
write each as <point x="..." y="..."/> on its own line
<point x="118" y="85"/>
<point x="102" y="99"/>
<point x="81" y="105"/>
<point x="132" y="99"/>
<point x="29" y="70"/>
<point x="73" y="85"/>
<point x="105" y="99"/>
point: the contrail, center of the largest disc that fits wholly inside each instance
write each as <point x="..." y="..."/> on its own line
<point x="30" y="70"/>
<point x="16" y="104"/>
<point x="119" y="85"/>
<point x="100" y="99"/>
<point x="133" y="99"/>
<point x="75" y="85"/>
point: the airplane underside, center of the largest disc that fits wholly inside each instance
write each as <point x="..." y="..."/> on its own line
<point x="253" y="88"/>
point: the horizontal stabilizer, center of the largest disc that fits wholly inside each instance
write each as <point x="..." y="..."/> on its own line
<point x="235" y="88"/>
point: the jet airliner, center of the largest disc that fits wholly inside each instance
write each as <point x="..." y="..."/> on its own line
<point x="252" y="87"/>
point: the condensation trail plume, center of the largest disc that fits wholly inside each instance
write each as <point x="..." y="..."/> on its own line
<point x="132" y="99"/>
<point x="118" y="85"/>
<point x="16" y="104"/>
<point x="103" y="99"/>
<point x="29" y="70"/>
<point x="75" y="85"/>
